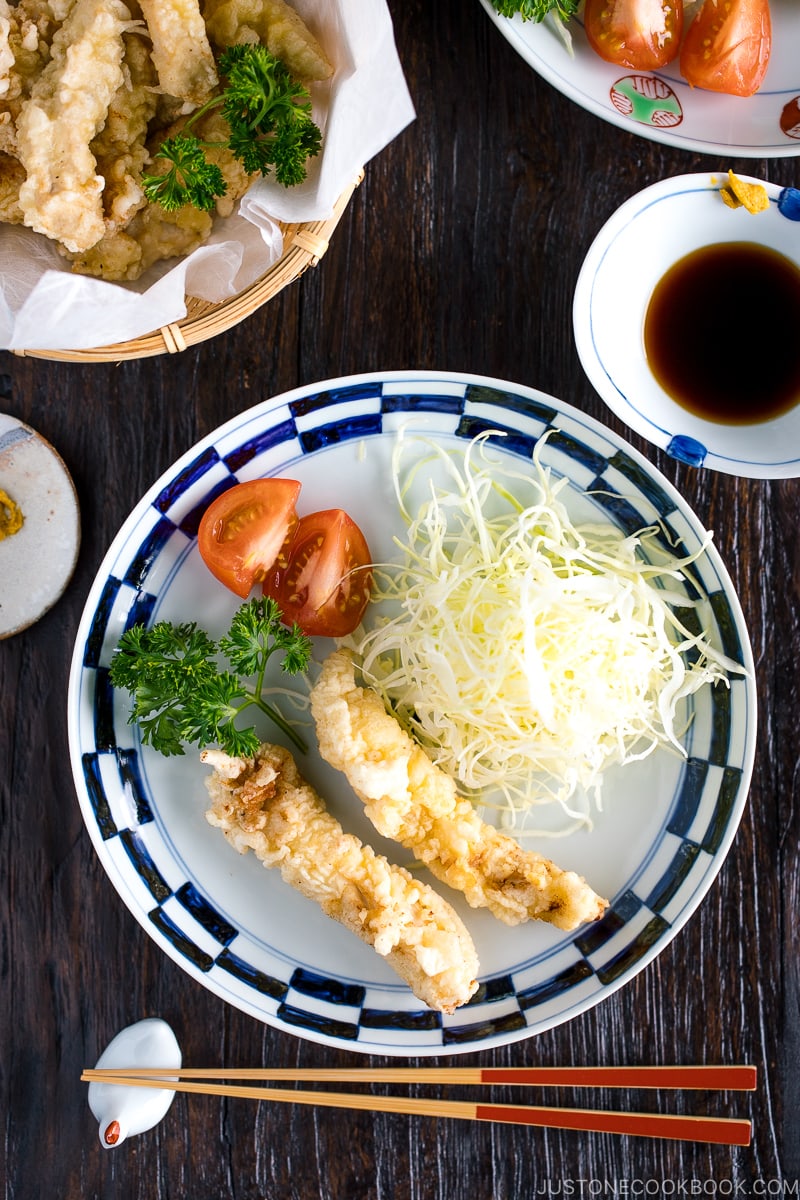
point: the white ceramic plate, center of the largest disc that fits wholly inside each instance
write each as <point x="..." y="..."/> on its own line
<point x="634" y="249"/>
<point x="660" y="105"/>
<point x="237" y="928"/>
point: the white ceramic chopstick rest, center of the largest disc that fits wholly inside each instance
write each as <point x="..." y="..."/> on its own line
<point x="120" y="1111"/>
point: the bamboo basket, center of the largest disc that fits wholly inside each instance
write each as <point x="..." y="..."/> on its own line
<point x="303" y="247"/>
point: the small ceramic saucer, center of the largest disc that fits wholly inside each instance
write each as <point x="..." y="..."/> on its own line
<point x="36" y="561"/>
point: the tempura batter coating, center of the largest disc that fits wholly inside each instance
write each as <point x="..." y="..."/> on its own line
<point x="411" y="800"/>
<point x="88" y="90"/>
<point x="181" y="51"/>
<point x="6" y="50"/>
<point x="277" y="25"/>
<point x="68" y="105"/>
<point x="153" y="234"/>
<point x="263" y="804"/>
<point x="119" y="148"/>
<point x="26" y="33"/>
<point x="12" y="176"/>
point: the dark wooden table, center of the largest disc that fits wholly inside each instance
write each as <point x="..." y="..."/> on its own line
<point x="460" y="251"/>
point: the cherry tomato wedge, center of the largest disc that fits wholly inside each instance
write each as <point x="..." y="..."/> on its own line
<point x="727" y="46"/>
<point x="641" y="34"/>
<point x="242" y="532"/>
<point x="326" y="583"/>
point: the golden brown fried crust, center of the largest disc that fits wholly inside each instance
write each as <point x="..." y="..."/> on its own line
<point x="181" y="51"/>
<point x="12" y="174"/>
<point x="263" y="804"/>
<point x="87" y="90"/>
<point x="411" y="800"/>
<point x="277" y="25"/>
<point x="119" y="147"/>
<point x="66" y="109"/>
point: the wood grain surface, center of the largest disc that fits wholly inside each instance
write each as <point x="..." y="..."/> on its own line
<point x="460" y="251"/>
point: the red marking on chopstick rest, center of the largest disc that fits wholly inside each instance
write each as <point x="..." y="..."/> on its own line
<point x="723" y="1131"/>
<point x="732" y="1078"/>
<point x="112" y="1133"/>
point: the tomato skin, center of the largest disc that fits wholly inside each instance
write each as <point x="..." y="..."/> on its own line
<point x="640" y="34"/>
<point x="727" y="46"/>
<point x="243" y="531"/>
<point x="316" y="589"/>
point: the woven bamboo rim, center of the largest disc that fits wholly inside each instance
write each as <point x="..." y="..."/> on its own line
<point x="303" y="247"/>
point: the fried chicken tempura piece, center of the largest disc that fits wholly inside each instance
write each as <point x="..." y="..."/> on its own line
<point x="263" y="804"/>
<point x="151" y="236"/>
<point x="181" y="50"/>
<point x="26" y="33"/>
<point x="154" y="234"/>
<point x="277" y="25"/>
<point x="410" y="799"/>
<point x="6" y="51"/>
<point x="119" y="148"/>
<point x="68" y="105"/>
<point x="12" y="176"/>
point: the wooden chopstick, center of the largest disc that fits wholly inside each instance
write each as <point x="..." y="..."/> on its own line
<point x="727" y="1131"/>
<point x="706" y="1078"/>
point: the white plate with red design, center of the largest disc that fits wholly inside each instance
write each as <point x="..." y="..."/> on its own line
<point x="667" y="824"/>
<point x="661" y="105"/>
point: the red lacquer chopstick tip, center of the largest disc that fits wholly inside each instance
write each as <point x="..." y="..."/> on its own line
<point x="726" y="1131"/>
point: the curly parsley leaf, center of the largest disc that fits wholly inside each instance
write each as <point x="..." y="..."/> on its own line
<point x="271" y="131"/>
<point x="269" y="115"/>
<point x="209" y="716"/>
<point x="256" y="633"/>
<point x="537" y="10"/>
<point x="189" y="179"/>
<point x="179" y="693"/>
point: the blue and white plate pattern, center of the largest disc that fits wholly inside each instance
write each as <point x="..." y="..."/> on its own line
<point x="237" y="928"/>
<point x="661" y="105"/>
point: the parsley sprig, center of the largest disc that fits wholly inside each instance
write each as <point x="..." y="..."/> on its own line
<point x="180" y="694"/>
<point x="537" y="10"/>
<point x="271" y="130"/>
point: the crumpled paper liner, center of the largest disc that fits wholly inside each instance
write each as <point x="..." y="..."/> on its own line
<point x="45" y="306"/>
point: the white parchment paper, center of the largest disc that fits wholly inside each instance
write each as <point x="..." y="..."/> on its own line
<point x="43" y="305"/>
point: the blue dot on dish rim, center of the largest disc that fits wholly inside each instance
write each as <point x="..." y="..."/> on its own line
<point x="789" y="203"/>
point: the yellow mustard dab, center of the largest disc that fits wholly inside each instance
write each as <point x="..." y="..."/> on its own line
<point x="11" y="518"/>
<point x="737" y="193"/>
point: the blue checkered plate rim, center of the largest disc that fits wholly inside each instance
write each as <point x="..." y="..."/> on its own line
<point x="654" y="851"/>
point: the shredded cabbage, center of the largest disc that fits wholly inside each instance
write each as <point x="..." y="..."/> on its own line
<point x="526" y="653"/>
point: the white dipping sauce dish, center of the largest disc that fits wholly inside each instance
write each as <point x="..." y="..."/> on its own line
<point x="633" y="251"/>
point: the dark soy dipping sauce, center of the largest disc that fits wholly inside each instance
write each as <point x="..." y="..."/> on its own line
<point x="722" y="333"/>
